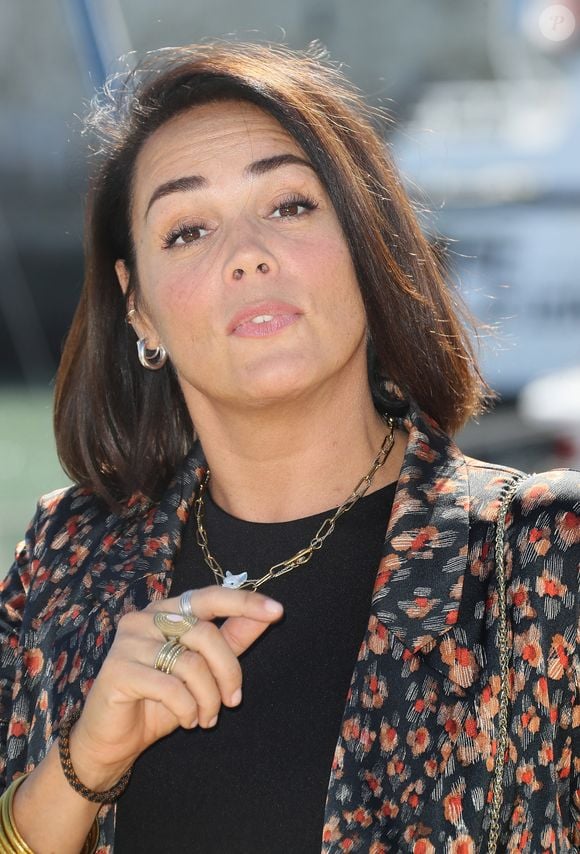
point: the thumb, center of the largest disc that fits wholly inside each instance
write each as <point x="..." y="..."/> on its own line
<point x="241" y="632"/>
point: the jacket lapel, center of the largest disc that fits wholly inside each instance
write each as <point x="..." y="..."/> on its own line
<point x="420" y="578"/>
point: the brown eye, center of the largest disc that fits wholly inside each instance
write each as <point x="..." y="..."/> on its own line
<point x="290" y="209"/>
<point x="293" y="208"/>
<point x="184" y="235"/>
<point x="188" y="235"/>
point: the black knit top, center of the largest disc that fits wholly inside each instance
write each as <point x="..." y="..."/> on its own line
<point x="256" y="783"/>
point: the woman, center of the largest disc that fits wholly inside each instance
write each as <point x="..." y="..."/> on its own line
<point x="254" y="274"/>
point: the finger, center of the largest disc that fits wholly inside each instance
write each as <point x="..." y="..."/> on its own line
<point x="206" y="640"/>
<point x="241" y="632"/>
<point x="193" y="670"/>
<point x="210" y="602"/>
<point x="217" y="680"/>
<point x="142" y="682"/>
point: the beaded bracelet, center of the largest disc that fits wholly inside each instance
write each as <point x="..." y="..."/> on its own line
<point x="106" y="797"/>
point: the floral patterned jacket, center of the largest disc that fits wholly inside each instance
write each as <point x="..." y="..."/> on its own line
<point x="415" y="755"/>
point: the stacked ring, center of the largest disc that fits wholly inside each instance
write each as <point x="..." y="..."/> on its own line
<point x="168" y="655"/>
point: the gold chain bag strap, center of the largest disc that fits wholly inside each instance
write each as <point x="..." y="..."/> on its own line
<point x="504" y="659"/>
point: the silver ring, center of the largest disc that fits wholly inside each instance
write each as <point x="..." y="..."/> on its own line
<point x="185" y="607"/>
<point x="171" y="626"/>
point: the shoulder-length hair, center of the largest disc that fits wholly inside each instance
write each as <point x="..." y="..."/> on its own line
<point x="121" y="429"/>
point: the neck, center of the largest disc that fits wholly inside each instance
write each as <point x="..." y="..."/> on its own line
<point x="291" y="461"/>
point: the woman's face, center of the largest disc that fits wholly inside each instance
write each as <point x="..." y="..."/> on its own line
<point x="225" y="221"/>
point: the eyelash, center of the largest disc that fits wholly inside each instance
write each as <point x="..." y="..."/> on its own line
<point x="169" y="241"/>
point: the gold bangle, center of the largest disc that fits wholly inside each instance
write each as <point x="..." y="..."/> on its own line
<point x="11" y="842"/>
<point x="14" y="839"/>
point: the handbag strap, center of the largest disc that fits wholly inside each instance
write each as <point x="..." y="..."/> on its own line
<point x="504" y="659"/>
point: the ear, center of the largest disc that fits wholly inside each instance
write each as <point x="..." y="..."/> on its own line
<point x="138" y="321"/>
<point x="122" y="274"/>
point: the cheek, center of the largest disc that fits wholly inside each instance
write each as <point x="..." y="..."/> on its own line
<point x="176" y="299"/>
<point x="337" y="280"/>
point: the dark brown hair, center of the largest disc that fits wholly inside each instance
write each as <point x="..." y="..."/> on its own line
<point x="122" y="429"/>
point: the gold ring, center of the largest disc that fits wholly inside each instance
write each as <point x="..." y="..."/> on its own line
<point x="171" y="625"/>
<point x="168" y="655"/>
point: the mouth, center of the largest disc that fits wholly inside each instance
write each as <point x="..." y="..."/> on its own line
<point x="263" y="316"/>
<point x="264" y="325"/>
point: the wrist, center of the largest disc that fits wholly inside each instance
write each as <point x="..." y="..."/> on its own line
<point x="87" y="766"/>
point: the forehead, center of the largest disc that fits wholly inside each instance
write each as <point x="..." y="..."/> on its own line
<point x="210" y="139"/>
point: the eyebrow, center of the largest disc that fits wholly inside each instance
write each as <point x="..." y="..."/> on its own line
<point x="196" y="182"/>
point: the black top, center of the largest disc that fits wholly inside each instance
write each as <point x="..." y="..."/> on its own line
<point x="257" y="781"/>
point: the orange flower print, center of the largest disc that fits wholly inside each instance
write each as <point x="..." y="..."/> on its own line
<point x="396" y="767"/>
<point x="18" y="727"/>
<point x="389" y="809"/>
<point x="568" y="528"/>
<point x="423" y="846"/>
<point x="418" y="740"/>
<point x="424" y="451"/>
<point x="462" y="845"/>
<point x="536" y="495"/>
<point x="413" y="794"/>
<point x="418" y="607"/>
<point x="367" y="737"/>
<point x="489" y="702"/>
<point x="526" y="775"/>
<point x="338" y="761"/>
<point x="331" y="831"/>
<point x="373" y="783"/>
<point x="419" y="540"/>
<point x="388" y="737"/>
<point x="519" y="595"/>
<point x="528" y="646"/>
<point x="530" y="720"/>
<point x="453" y="807"/>
<point x="539" y="538"/>
<point x="387" y="567"/>
<point x="546" y="753"/>
<point x="547" y="585"/>
<point x="463" y="668"/>
<point x="452" y="719"/>
<point x="559" y="656"/>
<point x="378" y="636"/>
<point x="351" y="729"/>
<point x="430" y="768"/>
<point x="360" y="816"/>
<point x="33" y="661"/>
<point x="376" y="693"/>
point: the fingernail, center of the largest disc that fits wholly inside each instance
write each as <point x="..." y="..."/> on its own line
<point x="236" y="697"/>
<point x="213" y="721"/>
<point x="193" y="724"/>
<point x="273" y="607"/>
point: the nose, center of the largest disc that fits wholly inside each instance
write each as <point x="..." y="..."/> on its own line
<point x="248" y="255"/>
<point x="239" y="272"/>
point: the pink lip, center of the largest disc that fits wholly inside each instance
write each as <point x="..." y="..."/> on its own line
<point x="268" y="307"/>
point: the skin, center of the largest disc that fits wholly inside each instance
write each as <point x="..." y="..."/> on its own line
<point x="267" y="410"/>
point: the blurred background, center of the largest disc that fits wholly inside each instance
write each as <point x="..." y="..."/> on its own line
<point x="485" y="103"/>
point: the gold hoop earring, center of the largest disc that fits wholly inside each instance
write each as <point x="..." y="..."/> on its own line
<point x="151" y="359"/>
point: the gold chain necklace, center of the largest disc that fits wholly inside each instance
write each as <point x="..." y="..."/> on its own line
<point x="241" y="579"/>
